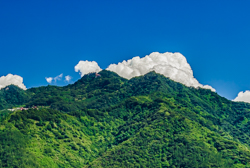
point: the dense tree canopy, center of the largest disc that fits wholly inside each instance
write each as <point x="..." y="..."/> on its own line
<point x="108" y="121"/>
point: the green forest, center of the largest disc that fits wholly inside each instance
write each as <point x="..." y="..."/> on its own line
<point x="109" y="121"/>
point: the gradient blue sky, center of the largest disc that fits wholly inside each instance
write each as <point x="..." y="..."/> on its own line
<point x="45" y="38"/>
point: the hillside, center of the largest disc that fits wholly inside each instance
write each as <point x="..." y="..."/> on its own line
<point x="109" y="121"/>
<point x="12" y="96"/>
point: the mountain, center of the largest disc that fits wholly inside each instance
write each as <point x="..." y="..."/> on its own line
<point x="12" y="96"/>
<point x="109" y="121"/>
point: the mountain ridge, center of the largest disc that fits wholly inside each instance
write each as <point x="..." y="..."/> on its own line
<point x="109" y="121"/>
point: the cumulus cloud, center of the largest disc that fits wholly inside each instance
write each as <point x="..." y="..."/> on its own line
<point x="243" y="96"/>
<point x="172" y="65"/>
<point x="68" y="78"/>
<point x="85" y="67"/>
<point x="12" y="79"/>
<point x="50" y="79"/>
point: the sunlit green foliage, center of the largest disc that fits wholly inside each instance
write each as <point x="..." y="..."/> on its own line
<point x="108" y="121"/>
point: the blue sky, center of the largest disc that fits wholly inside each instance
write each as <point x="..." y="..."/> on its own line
<point x="40" y="39"/>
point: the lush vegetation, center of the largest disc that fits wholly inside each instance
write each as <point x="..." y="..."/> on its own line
<point x="12" y="96"/>
<point x="108" y="121"/>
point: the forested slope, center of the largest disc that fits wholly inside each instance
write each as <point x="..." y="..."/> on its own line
<point x="12" y="96"/>
<point x="108" y="121"/>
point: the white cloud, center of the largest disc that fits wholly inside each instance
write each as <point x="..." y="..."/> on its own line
<point x="59" y="77"/>
<point x="68" y="78"/>
<point x="243" y="96"/>
<point x="50" y="79"/>
<point x="85" y="67"/>
<point x="172" y="65"/>
<point x="12" y="79"/>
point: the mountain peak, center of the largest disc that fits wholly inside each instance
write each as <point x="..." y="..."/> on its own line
<point x="103" y="115"/>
